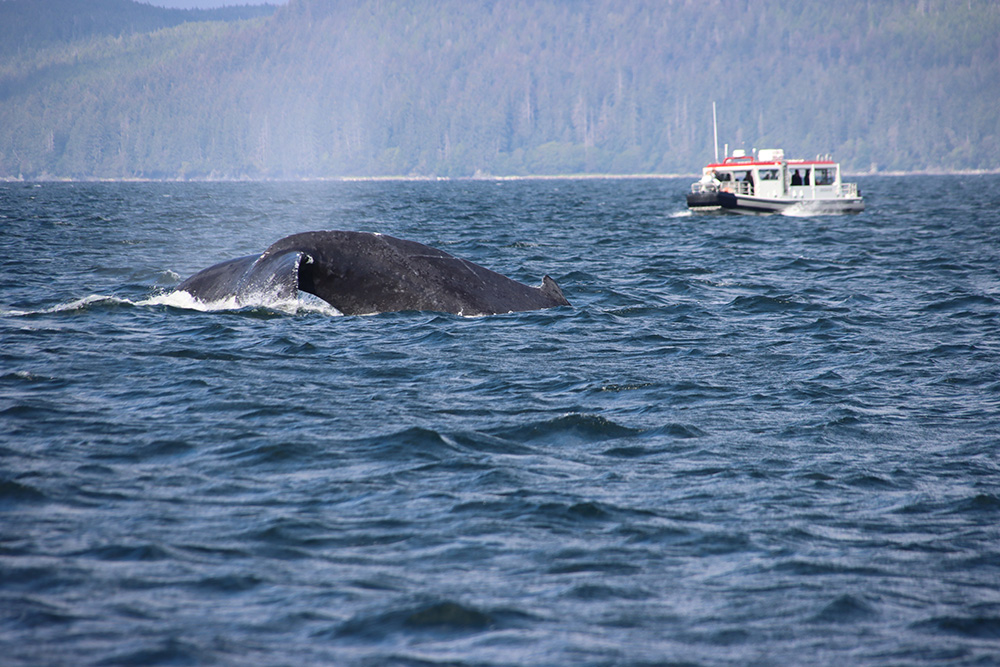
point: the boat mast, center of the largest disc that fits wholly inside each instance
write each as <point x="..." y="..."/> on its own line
<point x="715" y="132"/>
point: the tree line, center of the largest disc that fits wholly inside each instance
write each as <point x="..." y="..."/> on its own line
<point x="323" y="88"/>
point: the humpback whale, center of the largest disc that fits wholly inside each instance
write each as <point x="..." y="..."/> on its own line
<point x="362" y="273"/>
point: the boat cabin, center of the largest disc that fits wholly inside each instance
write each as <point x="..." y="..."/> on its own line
<point x="770" y="175"/>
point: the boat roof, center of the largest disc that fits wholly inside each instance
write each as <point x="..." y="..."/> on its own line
<point x="734" y="162"/>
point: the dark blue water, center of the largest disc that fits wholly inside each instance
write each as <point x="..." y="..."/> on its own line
<point x="750" y="440"/>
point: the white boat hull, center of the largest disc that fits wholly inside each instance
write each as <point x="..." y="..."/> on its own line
<point x="789" y="206"/>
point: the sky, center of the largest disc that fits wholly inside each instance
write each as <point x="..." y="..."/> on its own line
<point x="209" y="4"/>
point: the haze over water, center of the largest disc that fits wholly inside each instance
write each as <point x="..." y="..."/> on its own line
<point x="750" y="440"/>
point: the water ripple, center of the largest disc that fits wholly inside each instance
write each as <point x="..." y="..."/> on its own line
<point x="749" y="439"/>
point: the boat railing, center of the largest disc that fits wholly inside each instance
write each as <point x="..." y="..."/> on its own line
<point x="699" y="187"/>
<point x="849" y="189"/>
<point x="738" y="187"/>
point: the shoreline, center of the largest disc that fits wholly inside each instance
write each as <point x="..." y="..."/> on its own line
<point x="479" y="177"/>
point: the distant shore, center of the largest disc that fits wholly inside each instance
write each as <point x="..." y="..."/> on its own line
<point x="479" y="177"/>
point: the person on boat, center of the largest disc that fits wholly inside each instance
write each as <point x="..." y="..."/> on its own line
<point x="796" y="178"/>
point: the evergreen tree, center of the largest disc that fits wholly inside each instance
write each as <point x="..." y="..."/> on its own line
<point x="114" y="88"/>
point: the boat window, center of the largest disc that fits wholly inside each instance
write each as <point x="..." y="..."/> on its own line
<point x="768" y="174"/>
<point x="724" y="176"/>
<point x="824" y="176"/>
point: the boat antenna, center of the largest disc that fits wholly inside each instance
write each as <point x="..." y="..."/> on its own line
<point x="715" y="132"/>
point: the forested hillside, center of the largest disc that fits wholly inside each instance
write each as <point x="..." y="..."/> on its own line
<point x="28" y="24"/>
<point x="464" y="87"/>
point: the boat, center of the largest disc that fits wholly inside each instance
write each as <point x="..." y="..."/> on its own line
<point x="770" y="183"/>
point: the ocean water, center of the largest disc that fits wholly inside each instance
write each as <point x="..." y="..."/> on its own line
<point x="749" y="441"/>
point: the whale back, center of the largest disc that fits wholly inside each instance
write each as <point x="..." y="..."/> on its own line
<point x="362" y="273"/>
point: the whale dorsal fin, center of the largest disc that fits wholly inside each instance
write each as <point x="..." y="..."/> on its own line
<point x="551" y="290"/>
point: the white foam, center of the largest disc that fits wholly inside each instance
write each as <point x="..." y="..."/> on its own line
<point x="309" y="303"/>
<point x="681" y="214"/>
<point x="807" y="209"/>
<point x="303" y="304"/>
<point x="70" y="306"/>
<point x="187" y="301"/>
<point x="798" y="211"/>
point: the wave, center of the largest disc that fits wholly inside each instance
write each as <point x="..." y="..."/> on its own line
<point x="442" y="616"/>
<point x="303" y="304"/>
<point x="569" y="428"/>
<point x="76" y="305"/>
